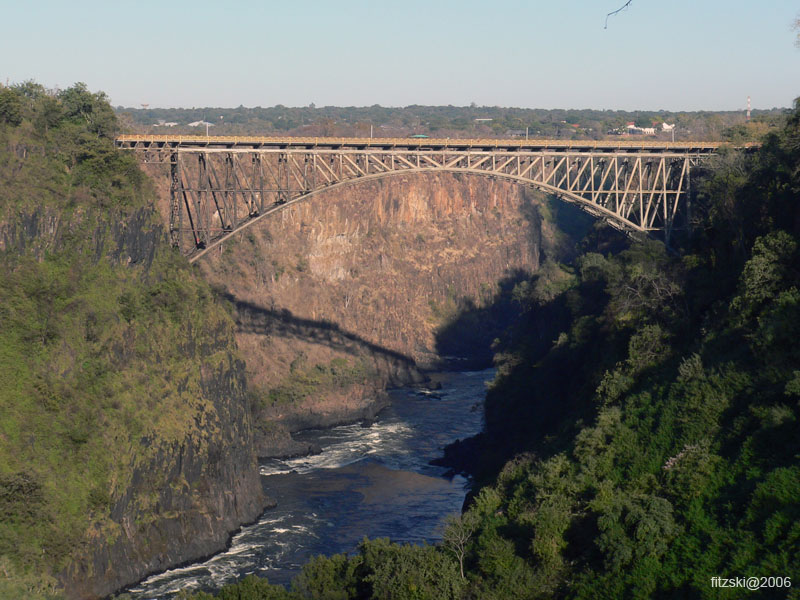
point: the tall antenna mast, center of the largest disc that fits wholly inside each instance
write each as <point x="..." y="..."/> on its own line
<point x="748" y="108"/>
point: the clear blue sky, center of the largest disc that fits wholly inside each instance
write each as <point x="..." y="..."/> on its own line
<point x="675" y="55"/>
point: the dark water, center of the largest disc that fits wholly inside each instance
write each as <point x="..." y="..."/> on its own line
<point x="369" y="481"/>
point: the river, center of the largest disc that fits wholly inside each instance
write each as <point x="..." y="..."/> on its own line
<point x="373" y="481"/>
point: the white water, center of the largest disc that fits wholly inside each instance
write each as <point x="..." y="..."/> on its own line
<point x="369" y="481"/>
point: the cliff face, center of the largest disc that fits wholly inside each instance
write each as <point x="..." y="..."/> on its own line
<point x="368" y="275"/>
<point x="190" y="480"/>
<point x="384" y="259"/>
<point x="180" y="506"/>
<point x="172" y="447"/>
<point x="126" y="438"/>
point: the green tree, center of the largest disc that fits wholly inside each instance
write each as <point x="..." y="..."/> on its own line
<point x="331" y="578"/>
<point x="407" y="572"/>
<point x="93" y="108"/>
<point x="765" y="273"/>
<point x="10" y="107"/>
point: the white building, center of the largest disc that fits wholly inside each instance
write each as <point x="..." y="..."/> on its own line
<point x="632" y="128"/>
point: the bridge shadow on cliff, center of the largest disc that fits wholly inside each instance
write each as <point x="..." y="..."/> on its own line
<point x="469" y="335"/>
<point x="252" y="318"/>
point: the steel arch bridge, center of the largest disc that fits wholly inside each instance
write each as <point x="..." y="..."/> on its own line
<point x="221" y="185"/>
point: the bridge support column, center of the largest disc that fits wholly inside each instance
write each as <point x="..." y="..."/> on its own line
<point x="689" y="198"/>
<point x="175" y="212"/>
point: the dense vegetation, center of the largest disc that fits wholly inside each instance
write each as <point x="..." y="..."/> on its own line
<point x="95" y="366"/>
<point x="642" y="434"/>
<point x="448" y="121"/>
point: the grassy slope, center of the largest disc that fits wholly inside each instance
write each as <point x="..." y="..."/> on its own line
<point x="95" y="368"/>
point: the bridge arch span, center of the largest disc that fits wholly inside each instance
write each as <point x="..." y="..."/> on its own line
<point x="222" y="185"/>
<point x="597" y="211"/>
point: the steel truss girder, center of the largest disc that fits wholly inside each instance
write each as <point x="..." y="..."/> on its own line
<point x="217" y="192"/>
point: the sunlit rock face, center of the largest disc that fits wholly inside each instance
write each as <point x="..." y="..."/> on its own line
<point x="369" y="273"/>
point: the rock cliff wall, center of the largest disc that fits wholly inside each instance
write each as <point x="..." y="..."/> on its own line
<point x="186" y="491"/>
<point x="126" y="431"/>
<point x="369" y="274"/>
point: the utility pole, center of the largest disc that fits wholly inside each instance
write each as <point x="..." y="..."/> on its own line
<point x="748" y="108"/>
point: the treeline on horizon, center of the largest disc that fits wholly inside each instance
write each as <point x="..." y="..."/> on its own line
<point x="643" y="431"/>
<point x="450" y="121"/>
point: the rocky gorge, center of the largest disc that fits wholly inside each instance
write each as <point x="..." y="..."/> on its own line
<point x="349" y="292"/>
<point x="178" y="472"/>
<point x="138" y="391"/>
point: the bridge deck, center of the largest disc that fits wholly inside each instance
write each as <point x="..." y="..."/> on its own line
<point x="256" y="142"/>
